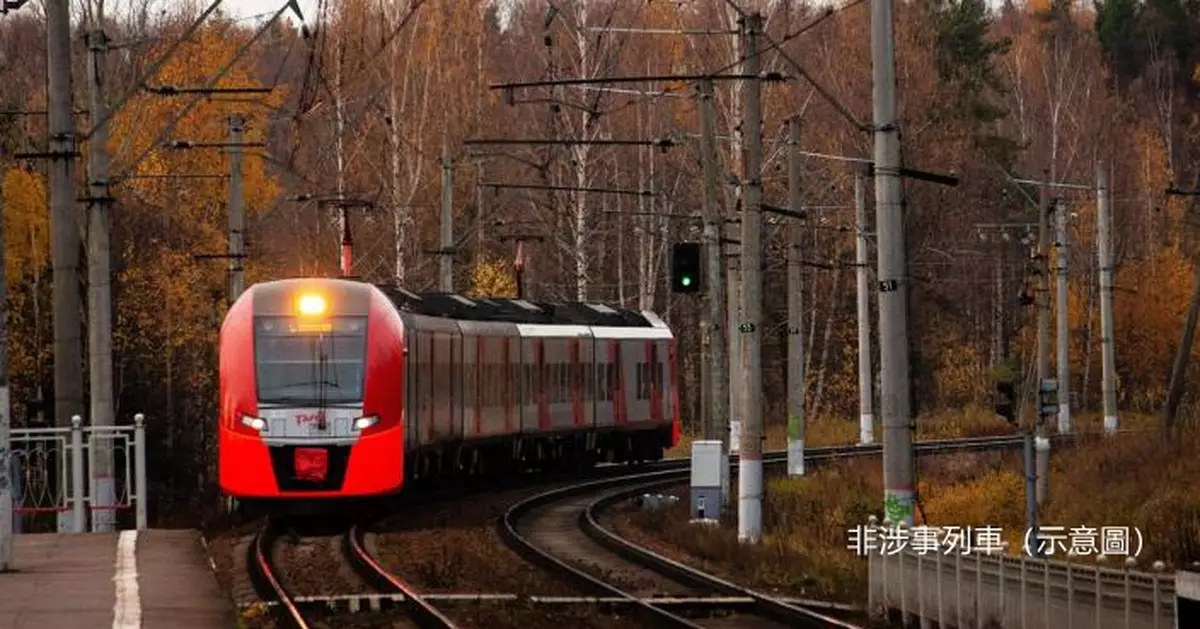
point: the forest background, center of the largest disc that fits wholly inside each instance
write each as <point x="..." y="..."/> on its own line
<point x="367" y="97"/>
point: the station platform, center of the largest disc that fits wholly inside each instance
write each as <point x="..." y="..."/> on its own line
<point x="156" y="579"/>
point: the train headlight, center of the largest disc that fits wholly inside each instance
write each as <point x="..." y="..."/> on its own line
<point x="363" y="423"/>
<point x="311" y="304"/>
<point x="254" y="423"/>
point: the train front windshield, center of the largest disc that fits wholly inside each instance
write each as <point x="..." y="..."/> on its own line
<point x="304" y="363"/>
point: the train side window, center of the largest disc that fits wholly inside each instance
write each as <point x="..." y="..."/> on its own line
<point x="645" y="369"/>
<point x="610" y="381"/>
<point x="552" y="384"/>
<point x="637" y="371"/>
<point x="589" y="369"/>
<point x="576" y="379"/>
<point x="497" y="383"/>
<point x="602" y="382"/>
<point x="527" y="374"/>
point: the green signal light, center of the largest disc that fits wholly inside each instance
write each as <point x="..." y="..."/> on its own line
<point x="686" y="281"/>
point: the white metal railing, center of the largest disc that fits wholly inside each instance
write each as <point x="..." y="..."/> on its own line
<point x="979" y="590"/>
<point x="43" y="458"/>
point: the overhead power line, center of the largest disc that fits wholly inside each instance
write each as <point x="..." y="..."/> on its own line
<point x="530" y="186"/>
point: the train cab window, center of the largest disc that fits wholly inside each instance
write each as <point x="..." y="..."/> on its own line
<point x="298" y="365"/>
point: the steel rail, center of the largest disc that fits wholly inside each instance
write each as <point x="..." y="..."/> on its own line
<point x="424" y="613"/>
<point x="262" y="571"/>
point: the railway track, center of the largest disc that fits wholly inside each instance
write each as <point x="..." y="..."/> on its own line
<point x="418" y="612"/>
<point x="562" y="531"/>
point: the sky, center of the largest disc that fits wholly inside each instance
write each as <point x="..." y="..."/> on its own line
<point x="250" y="8"/>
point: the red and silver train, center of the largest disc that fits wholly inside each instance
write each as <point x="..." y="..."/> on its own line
<point x="334" y="388"/>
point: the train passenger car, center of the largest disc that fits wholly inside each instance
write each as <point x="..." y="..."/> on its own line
<point x="339" y="389"/>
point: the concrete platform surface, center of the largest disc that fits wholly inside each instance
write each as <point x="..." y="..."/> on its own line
<point x="157" y="579"/>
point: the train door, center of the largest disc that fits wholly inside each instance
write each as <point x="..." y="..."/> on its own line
<point x="602" y="403"/>
<point x="653" y="377"/>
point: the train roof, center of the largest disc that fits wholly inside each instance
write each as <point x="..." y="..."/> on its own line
<point x="519" y="311"/>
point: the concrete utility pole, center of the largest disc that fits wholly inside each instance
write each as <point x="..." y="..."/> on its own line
<point x="446" y="274"/>
<point x="237" y="209"/>
<point x="65" y="227"/>
<point x="6" y="492"/>
<point x="750" y="480"/>
<point x="998" y="345"/>
<point x="99" y="303"/>
<point x="1063" y="334"/>
<point x="866" y="417"/>
<point x="713" y="320"/>
<point x="737" y="387"/>
<point x="892" y="274"/>
<point x="1042" y="442"/>
<point x="795" y="300"/>
<point x="1104" y="248"/>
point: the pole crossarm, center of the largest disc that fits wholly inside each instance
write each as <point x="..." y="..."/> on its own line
<point x="219" y="256"/>
<point x="1052" y="184"/>
<point x="659" y="31"/>
<point x="1179" y="192"/>
<point x="520" y="237"/>
<point x="179" y="176"/>
<point x="189" y="144"/>
<point x="530" y="186"/>
<point x="868" y="166"/>
<point x="152" y="70"/>
<point x="659" y="142"/>
<point x="773" y="77"/>
<point x="938" y="178"/>
<point x="171" y="90"/>
<point x="195" y="100"/>
<point x="335" y="201"/>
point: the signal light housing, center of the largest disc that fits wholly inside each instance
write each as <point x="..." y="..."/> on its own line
<point x="685" y="268"/>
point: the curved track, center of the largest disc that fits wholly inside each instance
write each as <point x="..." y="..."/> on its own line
<point x="561" y="531"/>
<point x="551" y="530"/>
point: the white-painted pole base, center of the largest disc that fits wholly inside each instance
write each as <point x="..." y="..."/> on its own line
<point x="1110" y="423"/>
<point x="866" y="429"/>
<point x="1042" y="447"/>
<point x="795" y="457"/>
<point x="725" y="493"/>
<point x="1064" y="420"/>
<point x="103" y="515"/>
<point x="750" y="495"/>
